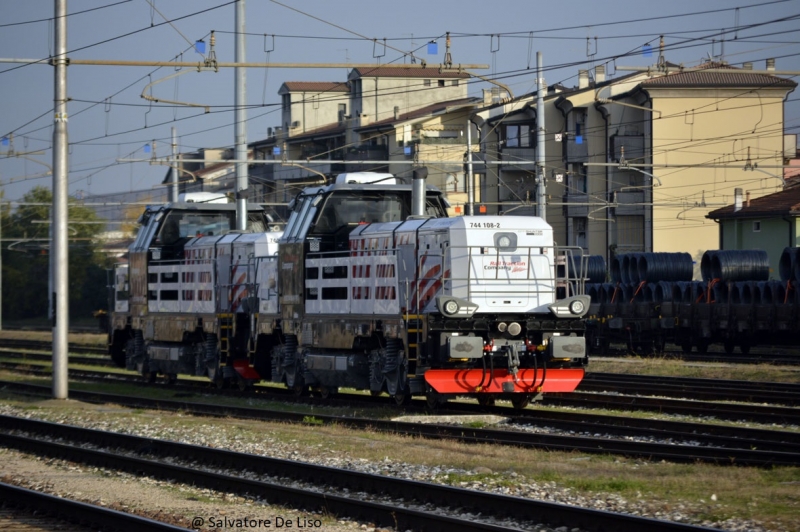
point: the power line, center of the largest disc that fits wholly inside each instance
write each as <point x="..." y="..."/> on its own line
<point x="50" y="19"/>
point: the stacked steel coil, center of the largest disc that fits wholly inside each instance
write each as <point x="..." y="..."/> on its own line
<point x="735" y="277"/>
<point x="789" y="265"/>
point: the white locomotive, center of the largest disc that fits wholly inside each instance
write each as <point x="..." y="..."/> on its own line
<point x="370" y="286"/>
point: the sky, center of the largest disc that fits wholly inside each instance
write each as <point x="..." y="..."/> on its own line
<point x="109" y="121"/>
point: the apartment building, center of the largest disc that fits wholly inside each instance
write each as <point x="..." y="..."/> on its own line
<point x="635" y="163"/>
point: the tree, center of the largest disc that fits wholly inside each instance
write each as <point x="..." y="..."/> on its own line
<point x="26" y="261"/>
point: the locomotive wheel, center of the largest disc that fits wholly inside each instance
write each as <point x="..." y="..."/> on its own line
<point x="702" y="345"/>
<point x="150" y="377"/>
<point x="686" y="346"/>
<point x="744" y="347"/>
<point x="402" y="399"/>
<point x="170" y="378"/>
<point x="300" y="389"/>
<point x="435" y="400"/>
<point x="729" y="346"/>
<point x="327" y="391"/>
<point x="485" y="400"/>
<point x="219" y="381"/>
<point x="520" y="401"/>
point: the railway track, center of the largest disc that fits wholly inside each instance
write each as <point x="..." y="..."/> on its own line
<point x="38" y="345"/>
<point x="687" y="388"/>
<point x="322" y="486"/>
<point x="694" y="388"/>
<point x="78" y="515"/>
<point x="763" y="357"/>
<point x="616" y="400"/>
<point x="760" y="451"/>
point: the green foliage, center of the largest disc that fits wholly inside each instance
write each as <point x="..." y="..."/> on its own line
<point x="311" y="420"/>
<point x="26" y="258"/>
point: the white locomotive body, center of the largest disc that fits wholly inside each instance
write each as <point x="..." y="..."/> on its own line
<point x="358" y="291"/>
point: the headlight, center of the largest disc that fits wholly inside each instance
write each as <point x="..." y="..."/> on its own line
<point x="451" y="307"/>
<point x="502" y="326"/>
<point x="577" y="306"/>
<point x="514" y="329"/>
<point x="504" y="242"/>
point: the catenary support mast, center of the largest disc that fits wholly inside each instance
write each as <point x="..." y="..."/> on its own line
<point x="59" y="252"/>
<point x="240" y="120"/>
<point x="541" y="88"/>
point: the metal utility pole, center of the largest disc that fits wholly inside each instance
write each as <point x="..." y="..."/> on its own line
<point x="470" y="178"/>
<point x="59" y="254"/>
<point x="173" y="189"/>
<point x="240" y="119"/>
<point x="541" y="88"/>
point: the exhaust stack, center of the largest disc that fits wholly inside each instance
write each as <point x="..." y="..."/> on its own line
<point x="418" y="192"/>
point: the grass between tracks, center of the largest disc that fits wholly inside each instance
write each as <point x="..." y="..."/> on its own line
<point x="677" y="368"/>
<point x="705" y="492"/>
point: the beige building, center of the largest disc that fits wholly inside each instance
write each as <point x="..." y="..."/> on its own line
<point x="636" y="163"/>
<point x="633" y="163"/>
<point x="382" y="119"/>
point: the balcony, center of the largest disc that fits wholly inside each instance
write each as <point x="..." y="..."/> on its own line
<point x="575" y="149"/>
<point x="629" y="203"/>
<point x="631" y="145"/>
<point x="577" y="205"/>
<point x="525" y="157"/>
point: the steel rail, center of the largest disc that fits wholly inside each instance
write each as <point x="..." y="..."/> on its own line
<point x="778" y="415"/>
<point x="498" y="506"/>
<point x="80" y="512"/>
<point x="646" y="450"/>
<point x="708" y="390"/>
<point x="705" y="433"/>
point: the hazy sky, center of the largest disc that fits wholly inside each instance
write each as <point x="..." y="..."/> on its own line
<point x="109" y="120"/>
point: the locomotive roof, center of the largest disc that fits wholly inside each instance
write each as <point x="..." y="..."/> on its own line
<point x="192" y="206"/>
<point x="362" y="188"/>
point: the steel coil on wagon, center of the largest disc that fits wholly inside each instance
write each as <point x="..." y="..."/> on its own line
<point x="772" y="292"/>
<point x="741" y="292"/>
<point x="627" y="268"/>
<point x="595" y="269"/>
<point x="615" y="271"/>
<point x="654" y="267"/>
<point x="609" y="291"/>
<point x="787" y="263"/>
<point x="705" y="265"/>
<point x="740" y="265"/>
<point x="719" y="293"/>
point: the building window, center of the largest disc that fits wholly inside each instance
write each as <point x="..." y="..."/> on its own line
<point x="454" y="83"/>
<point x="441" y="83"/>
<point x="630" y="234"/>
<point x="757" y="226"/>
<point x="579" y="226"/>
<point x="518" y="136"/>
<point x="427" y="83"/>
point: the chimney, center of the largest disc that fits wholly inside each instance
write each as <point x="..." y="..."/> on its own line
<point x="747" y="66"/>
<point x="771" y="63"/>
<point x="583" y="79"/>
<point x="396" y="112"/>
<point x="747" y="198"/>
<point x="737" y="199"/>
<point x="600" y="74"/>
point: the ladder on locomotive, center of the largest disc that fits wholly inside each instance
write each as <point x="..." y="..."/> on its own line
<point x="414" y="340"/>
<point x="225" y="335"/>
